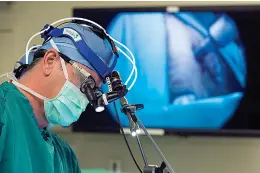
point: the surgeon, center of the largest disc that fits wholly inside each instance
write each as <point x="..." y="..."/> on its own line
<point x="45" y="93"/>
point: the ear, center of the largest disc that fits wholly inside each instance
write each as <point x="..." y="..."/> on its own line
<point x="50" y="59"/>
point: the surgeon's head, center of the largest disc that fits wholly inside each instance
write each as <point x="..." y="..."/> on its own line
<point x="46" y="61"/>
<point x="47" y="67"/>
<point x="52" y="74"/>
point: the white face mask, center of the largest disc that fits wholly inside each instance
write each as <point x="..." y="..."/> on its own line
<point x="66" y="107"/>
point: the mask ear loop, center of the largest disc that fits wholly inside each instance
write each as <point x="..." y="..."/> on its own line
<point x="64" y="68"/>
<point x="14" y="81"/>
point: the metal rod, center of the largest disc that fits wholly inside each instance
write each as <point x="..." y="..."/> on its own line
<point x="155" y="146"/>
<point x="142" y="151"/>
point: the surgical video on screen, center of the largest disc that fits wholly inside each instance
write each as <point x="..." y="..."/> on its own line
<point x="191" y="67"/>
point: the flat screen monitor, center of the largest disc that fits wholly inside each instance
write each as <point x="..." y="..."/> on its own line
<point x="198" y="69"/>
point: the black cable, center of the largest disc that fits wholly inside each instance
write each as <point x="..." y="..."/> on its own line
<point x="122" y="131"/>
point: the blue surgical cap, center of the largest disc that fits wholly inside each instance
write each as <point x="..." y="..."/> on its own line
<point x="100" y="46"/>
